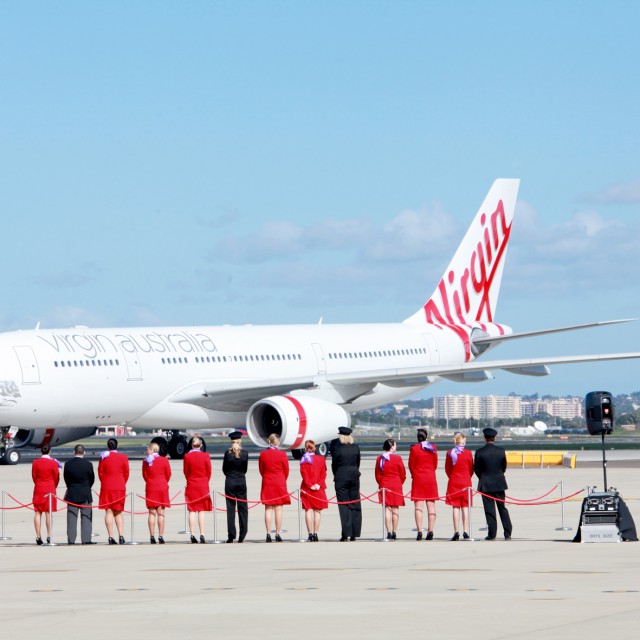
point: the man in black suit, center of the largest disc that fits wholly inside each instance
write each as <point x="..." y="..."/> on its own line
<point x="489" y="465"/>
<point x="79" y="478"/>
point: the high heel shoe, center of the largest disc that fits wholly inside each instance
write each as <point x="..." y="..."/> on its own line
<point x="121" y="540"/>
<point x="429" y="535"/>
<point x="465" y="535"/>
<point x="456" y="536"/>
<point x="268" y="537"/>
<point x="112" y="541"/>
<point x="419" y="536"/>
<point x="310" y="538"/>
<point x="48" y="540"/>
<point x="194" y="540"/>
<point x="393" y="535"/>
<point x="38" y="541"/>
<point x="278" y="538"/>
<point x="344" y="539"/>
<point x="389" y="536"/>
<point x="152" y="540"/>
<point x="160" y="540"/>
<point x="202" y="540"/>
<point x="352" y="539"/>
<point x="315" y="537"/>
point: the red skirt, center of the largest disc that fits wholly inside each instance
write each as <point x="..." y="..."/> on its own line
<point x="41" y="502"/>
<point x="158" y="498"/>
<point x="316" y="500"/>
<point x="424" y="490"/>
<point x="198" y="498"/>
<point x="274" y="495"/>
<point x="112" y="499"/>
<point x="392" y="498"/>
<point x="458" y="496"/>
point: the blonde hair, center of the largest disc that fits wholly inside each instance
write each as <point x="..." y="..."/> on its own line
<point x="345" y="439"/>
<point x="235" y="448"/>
<point x="196" y="442"/>
<point x="459" y="439"/>
<point x="274" y="441"/>
<point x="154" y="447"/>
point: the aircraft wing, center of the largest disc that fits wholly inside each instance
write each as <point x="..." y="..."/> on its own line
<point x="236" y="395"/>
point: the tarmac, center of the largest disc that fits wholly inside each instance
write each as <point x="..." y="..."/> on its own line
<point x="539" y="583"/>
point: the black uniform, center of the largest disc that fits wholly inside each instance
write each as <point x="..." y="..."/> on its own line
<point x="79" y="478"/>
<point x="345" y="464"/>
<point x="489" y="465"/>
<point x="235" y="485"/>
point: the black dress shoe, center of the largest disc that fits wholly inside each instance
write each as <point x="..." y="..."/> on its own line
<point x="268" y="537"/>
<point x="152" y="540"/>
<point x="202" y="540"/>
<point x="194" y="540"/>
<point x="160" y="540"/>
<point x="490" y="538"/>
<point x="278" y="538"/>
<point x="352" y="538"/>
<point x="507" y="537"/>
<point x="90" y="542"/>
<point x="240" y="540"/>
<point x="456" y="536"/>
<point x="121" y="540"/>
<point x="38" y="541"/>
<point x="419" y="536"/>
<point x="429" y="535"/>
<point x="229" y="540"/>
<point x="112" y="541"/>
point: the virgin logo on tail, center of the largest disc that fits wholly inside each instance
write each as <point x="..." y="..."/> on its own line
<point x="451" y="304"/>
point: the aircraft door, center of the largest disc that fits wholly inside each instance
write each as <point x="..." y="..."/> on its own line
<point x="134" y="368"/>
<point x="28" y="364"/>
<point x="432" y="348"/>
<point x="322" y="364"/>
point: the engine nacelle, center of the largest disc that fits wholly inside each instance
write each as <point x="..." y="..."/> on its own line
<point x="294" y="420"/>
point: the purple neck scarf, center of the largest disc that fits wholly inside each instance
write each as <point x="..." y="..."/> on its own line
<point x="106" y="454"/>
<point x="150" y="458"/>
<point x="427" y="446"/>
<point x="307" y="457"/>
<point x="456" y="451"/>
<point x="385" y="456"/>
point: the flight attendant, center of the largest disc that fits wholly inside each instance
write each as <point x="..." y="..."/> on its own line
<point x="423" y="461"/>
<point x="390" y="475"/>
<point x="234" y="467"/>
<point x="313" y="469"/>
<point x="273" y="465"/>
<point x="197" y="471"/>
<point x="113" y="471"/>
<point x="459" y="469"/>
<point x="156" y="472"/>
<point x="45" y="472"/>
<point x="345" y="464"/>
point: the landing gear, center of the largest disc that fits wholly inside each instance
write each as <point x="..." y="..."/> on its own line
<point x="174" y="444"/>
<point x="11" y="456"/>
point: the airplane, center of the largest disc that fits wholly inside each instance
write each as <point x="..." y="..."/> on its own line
<point x="298" y="381"/>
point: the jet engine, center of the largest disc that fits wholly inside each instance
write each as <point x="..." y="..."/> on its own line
<point x="294" y="420"/>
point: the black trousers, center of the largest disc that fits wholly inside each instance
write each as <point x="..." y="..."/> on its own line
<point x="350" y="514"/>
<point x="489" y="505"/>
<point x="236" y="489"/>
<point x="86" y="516"/>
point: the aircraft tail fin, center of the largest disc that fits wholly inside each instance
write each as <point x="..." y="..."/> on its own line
<point x="468" y="291"/>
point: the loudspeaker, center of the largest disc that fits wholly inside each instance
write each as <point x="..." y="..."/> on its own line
<point x="599" y="412"/>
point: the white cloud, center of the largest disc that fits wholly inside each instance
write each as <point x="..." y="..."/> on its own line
<point x="620" y="193"/>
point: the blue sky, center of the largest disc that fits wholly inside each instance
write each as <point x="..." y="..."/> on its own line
<point x="182" y="163"/>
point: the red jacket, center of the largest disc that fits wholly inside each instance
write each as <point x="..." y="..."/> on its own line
<point x="113" y="472"/>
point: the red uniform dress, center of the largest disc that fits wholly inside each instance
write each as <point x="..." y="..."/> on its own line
<point x="113" y="471"/>
<point x="197" y="471"/>
<point x="46" y="475"/>
<point x="274" y="469"/>
<point x="460" y="475"/>
<point x="156" y="474"/>
<point x="314" y="472"/>
<point x="391" y="476"/>
<point x="422" y="466"/>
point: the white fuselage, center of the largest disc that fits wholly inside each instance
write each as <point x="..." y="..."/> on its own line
<point x="80" y="376"/>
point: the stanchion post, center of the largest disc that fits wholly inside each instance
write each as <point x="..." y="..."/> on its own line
<point x="562" y="527"/>
<point x="3" y="536"/>
<point x="215" y="520"/>
<point x="50" y="542"/>
<point x="384" y="509"/>
<point x="300" y="538"/>
<point x="469" y="497"/>
<point x="132" y="503"/>
<point x="186" y="522"/>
